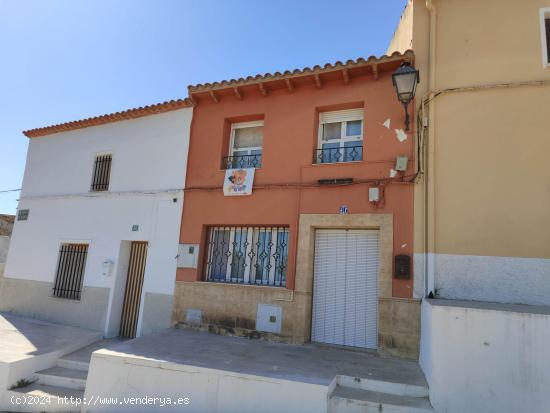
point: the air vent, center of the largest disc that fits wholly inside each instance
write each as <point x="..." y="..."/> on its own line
<point x="336" y="181"/>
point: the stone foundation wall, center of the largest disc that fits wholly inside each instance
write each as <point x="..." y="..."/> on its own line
<point x="233" y="308"/>
<point x="399" y="327"/>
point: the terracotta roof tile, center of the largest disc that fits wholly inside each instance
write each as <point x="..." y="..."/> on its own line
<point x="188" y="102"/>
<point x="111" y="117"/>
<point x="328" y="67"/>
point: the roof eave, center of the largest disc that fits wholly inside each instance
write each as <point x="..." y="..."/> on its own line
<point x="298" y="73"/>
<point x="111" y="117"/>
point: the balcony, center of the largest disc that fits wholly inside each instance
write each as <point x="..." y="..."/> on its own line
<point x="338" y="154"/>
<point x="242" y="161"/>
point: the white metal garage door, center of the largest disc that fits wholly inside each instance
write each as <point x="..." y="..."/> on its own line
<point x="345" y="288"/>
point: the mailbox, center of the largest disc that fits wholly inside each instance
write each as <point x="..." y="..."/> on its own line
<point x="402" y="267"/>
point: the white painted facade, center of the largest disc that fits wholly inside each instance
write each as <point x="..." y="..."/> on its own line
<point x="485" y="357"/>
<point x="117" y="376"/>
<point x="149" y="157"/>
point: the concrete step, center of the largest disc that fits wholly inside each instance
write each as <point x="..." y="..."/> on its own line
<point x="84" y="354"/>
<point x="49" y="398"/>
<point x="73" y="364"/>
<point x="63" y="377"/>
<point x="381" y="386"/>
<point x="351" y="400"/>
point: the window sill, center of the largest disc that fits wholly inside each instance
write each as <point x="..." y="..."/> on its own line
<point x="336" y="163"/>
<point x="227" y="169"/>
<point x="235" y="285"/>
<point x="65" y="299"/>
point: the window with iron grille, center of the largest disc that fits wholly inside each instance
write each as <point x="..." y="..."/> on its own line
<point x="22" y="214"/>
<point x="340" y="136"/>
<point x="245" y="146"/>
<point x="102" y="172"/>
<point x="70" y="271"/>
<point x="247" y="255"/>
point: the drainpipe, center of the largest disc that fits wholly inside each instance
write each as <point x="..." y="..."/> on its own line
<point x="429" y="182"/>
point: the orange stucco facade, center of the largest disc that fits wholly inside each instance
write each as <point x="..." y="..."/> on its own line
<point x="287" y="185"/>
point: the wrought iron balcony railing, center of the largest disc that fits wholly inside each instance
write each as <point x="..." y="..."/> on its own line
<point x="335" y="155"/>
<point x="242" y="161"/>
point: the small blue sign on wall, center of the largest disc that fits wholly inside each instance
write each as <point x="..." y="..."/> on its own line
<point x="344" y="209"/>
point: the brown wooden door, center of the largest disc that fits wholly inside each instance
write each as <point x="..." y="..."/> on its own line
<point x="132" y="294"/>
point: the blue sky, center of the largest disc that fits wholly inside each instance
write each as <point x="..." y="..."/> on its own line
<point x="64" y="60"/>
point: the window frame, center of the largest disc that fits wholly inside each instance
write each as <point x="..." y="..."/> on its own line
<point x="244" y="125"/>
<point x="544" y="14"/>
<point x="342" y="117"/>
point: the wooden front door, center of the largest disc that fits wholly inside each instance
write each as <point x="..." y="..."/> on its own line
<point x="132" y="294"/>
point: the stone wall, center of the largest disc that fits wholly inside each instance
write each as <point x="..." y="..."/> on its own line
<point x="233" y="307"/>
<point x="399" y="327"/>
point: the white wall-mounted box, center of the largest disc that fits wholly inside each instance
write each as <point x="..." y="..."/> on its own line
<point x="188" y="255"/>
<point x="401" y="163"/>
<point x="269" y="318"/>
<point x="107" y="267"/>
<point x="374" y="194"/>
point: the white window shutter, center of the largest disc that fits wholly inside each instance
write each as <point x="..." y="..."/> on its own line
<point x="341" y="115"/>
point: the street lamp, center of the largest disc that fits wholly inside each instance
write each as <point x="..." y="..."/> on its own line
<point x="405" y="79"/>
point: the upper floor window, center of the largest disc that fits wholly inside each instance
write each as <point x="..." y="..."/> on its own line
<point x="340" y="136"/>
<point x="101" y="173"/>
<point x="545" y="35"/>
<point x="245" y="145"/>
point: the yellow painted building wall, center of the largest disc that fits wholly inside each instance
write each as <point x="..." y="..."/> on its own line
<point x="482" y="211"/>
<point x="402" y="39"/>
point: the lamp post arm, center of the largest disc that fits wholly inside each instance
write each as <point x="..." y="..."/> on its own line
<point x="406" y="106"/>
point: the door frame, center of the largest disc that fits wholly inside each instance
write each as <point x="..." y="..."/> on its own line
<point x="306" y="246"/>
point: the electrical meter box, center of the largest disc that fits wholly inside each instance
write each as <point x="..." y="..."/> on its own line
<point x="401" y="163"/>
<point x="188" y="255"/>
<point x="374" y="194"/>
